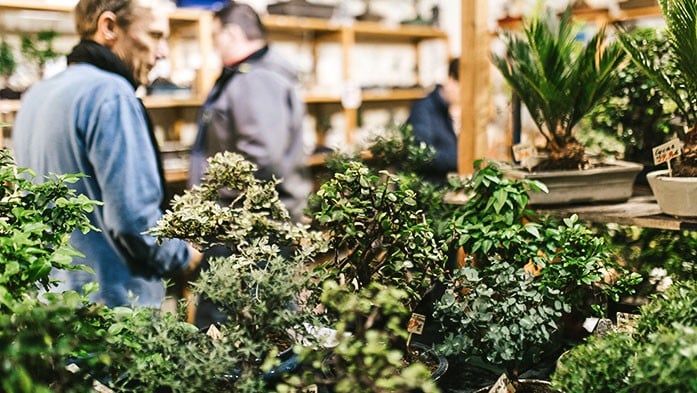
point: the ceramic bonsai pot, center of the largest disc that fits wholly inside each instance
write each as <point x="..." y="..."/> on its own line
<point x="609" y="182"/>
<point x="676" y="196"/>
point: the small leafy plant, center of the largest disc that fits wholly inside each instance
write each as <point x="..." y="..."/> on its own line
<point x="377" y="232"/>
<point x="38" y="48"/>
<point x="637" y="112"/>
<point x="522" y="273"/>
<point x="41" y="333"/>
<point x="499" y="313"/>
<point x="364" y="359"/>
<point x="658" y="357"/>
<point x="8" y="63"/>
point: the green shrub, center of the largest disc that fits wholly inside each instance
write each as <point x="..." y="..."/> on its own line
<point x="678" y="304"/>
<point x="667" y="362"/>
<point x="159" y="352"/>
<point x="600" y="365"/>
<point x="41" y="333"/>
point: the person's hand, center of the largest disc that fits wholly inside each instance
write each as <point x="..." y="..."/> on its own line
<point x="195" y="258"/>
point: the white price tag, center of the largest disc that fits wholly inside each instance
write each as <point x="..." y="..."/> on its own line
<point x="416" y="323"/>
<point x="627" y="322"/>
<point x="214" y="333"/>
<point x="502" y="385"/>
<point x="523" y="152"/>
<point x="667" y="151"/>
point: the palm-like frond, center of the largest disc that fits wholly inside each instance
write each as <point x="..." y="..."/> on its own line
<point x="559" y="79"/>
<point x="679" y="80"/>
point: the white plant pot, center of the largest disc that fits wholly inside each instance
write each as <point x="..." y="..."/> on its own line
<point x="676" y="196"/>
<point x="612" y="182"/>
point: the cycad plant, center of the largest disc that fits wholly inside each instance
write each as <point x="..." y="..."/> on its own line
<point x="678" y="78"/>
<point x="560" y="80"/>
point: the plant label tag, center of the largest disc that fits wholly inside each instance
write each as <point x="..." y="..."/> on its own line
<point x="214" y="333"/>
<point x="310" y="389"/>
<point x="416" y="323"/>
<point x="667" y="151"/>
<point x="523" y="152"/>
<point x="502" y="385"/>
<point x="627" y="322"/>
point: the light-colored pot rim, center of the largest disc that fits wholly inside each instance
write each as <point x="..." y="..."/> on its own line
<point x="662" y="175"/>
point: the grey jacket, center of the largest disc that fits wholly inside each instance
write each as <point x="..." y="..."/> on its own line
<point x="254" y="109"/>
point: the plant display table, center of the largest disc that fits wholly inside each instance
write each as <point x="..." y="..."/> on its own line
<point x="640" y="210"/>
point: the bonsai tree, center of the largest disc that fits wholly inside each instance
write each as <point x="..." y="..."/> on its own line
<point x="264" y="288"/>
<point x="559" y="80"/>
<point x="676" y="76"/>
<point x="363" y="359"/>
<point x="377" y="232"/>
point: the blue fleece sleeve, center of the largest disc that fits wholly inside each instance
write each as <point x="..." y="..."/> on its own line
<point x="125" y="166"/>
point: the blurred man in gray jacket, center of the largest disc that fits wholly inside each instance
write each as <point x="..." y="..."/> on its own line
<point x="254" y="108"/>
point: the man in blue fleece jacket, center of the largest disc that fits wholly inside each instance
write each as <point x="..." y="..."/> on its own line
<point x="88" y="120"/>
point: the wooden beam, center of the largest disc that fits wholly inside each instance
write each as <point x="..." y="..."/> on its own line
<point x="474" y="84"/>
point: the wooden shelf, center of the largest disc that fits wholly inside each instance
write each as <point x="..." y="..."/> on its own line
<point x="393" y="94"/>
<point x="294" y="23"/>
<point x="637" y="13"/>
<point x="159" y="102"/>
<point x="176" y="175"/>
<point x="641" y="211"/>
<point x="369" y="30"/>
<point x="371" y="95"/>
<point x="29" y="5"/>
<point x="9" y="106"/>
<point x="590" y="14"/>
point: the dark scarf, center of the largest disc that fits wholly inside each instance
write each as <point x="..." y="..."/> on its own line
<point x="90" y="52"/>
<point x="232" y="70"/>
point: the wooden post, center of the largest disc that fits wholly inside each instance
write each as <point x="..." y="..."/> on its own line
<point x="474" y="84"/>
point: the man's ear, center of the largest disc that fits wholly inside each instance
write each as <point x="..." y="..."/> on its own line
<point x="106" y="29"/>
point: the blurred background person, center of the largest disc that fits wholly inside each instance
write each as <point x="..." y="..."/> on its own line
<point x="435" y="121"/>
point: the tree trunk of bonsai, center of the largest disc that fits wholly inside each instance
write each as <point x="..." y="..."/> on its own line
<point x="686" y="165"/>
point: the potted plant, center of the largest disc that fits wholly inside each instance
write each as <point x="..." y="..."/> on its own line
<point x="560" y="81"/>
<point x="654" y="358"/>
<point x="377" y="231"/>
<point x="364" y="358"/>
<point x="678" y="80"/>
<point x="523" y="278"/>
<point x="43" y="332"/>
<point x="265" y="288"/>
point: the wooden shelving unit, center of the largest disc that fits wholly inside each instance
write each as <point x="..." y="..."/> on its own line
<point x="594" y="15"/>
<point x="192" y="24"/>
